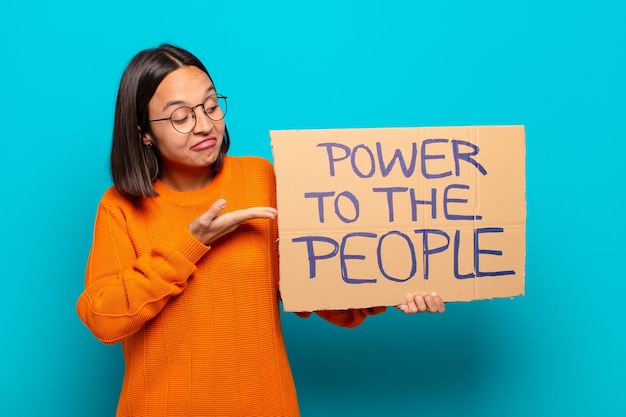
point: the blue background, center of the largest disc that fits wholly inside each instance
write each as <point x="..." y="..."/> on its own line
<point x="558" y="67"/>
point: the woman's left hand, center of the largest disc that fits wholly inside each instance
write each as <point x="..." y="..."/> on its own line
<point x="421" y="303"/>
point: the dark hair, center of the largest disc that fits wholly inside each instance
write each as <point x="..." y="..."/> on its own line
<point x="135" y="166"/>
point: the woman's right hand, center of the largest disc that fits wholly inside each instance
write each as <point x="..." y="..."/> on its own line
<point x="212" y="225"/>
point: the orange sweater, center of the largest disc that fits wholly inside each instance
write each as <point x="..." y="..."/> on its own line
<point x="200" y="325"/>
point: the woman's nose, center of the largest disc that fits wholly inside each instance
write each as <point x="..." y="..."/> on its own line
<point x="203" y="122"/>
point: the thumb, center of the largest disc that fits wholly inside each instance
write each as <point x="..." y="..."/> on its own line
<point x="216" y="208"/>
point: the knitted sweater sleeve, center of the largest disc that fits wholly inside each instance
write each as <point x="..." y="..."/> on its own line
<point x="123" y="289"/>
<point x="346" y="318"/>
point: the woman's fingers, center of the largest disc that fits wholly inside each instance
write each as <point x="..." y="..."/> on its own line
<point x="211" y="225"/>
<point x="424" y="302"/>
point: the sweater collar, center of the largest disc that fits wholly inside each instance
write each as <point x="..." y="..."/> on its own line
<point x="208" y="194"/>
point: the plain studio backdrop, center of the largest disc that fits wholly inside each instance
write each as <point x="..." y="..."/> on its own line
<point x="557" y="67"/>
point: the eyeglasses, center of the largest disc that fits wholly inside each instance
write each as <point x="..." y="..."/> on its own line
<point x="183" y="119"/>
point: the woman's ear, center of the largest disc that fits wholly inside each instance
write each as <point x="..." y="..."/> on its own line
<point x="146" y="138"/>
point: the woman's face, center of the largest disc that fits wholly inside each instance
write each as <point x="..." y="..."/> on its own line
<point x="184" y="155"/>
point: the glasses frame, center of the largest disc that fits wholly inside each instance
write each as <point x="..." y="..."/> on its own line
<point x="193" y="112"/>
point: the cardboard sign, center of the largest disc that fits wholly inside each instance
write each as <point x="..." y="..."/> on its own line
<point x="366" y="216"/>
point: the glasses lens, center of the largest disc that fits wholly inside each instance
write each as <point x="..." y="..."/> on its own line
<point x="183" y="119"/>
<point x="215" y="107"/>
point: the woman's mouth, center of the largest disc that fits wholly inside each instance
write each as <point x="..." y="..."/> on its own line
<point x="205" y="144"/>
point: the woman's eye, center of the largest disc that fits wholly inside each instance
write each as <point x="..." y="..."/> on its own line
<point x="180" y="120"/>
<point x="181" y="116"/>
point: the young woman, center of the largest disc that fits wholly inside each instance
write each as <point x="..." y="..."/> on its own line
<point x="183" y="269"/>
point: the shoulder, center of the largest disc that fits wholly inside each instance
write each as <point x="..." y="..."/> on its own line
<point x="113" y="199"/>
<point x="249" y="164"/>
<point x="111" y="195"/>
<point x="250" y="161"/>
<point x="252" y="174"/>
